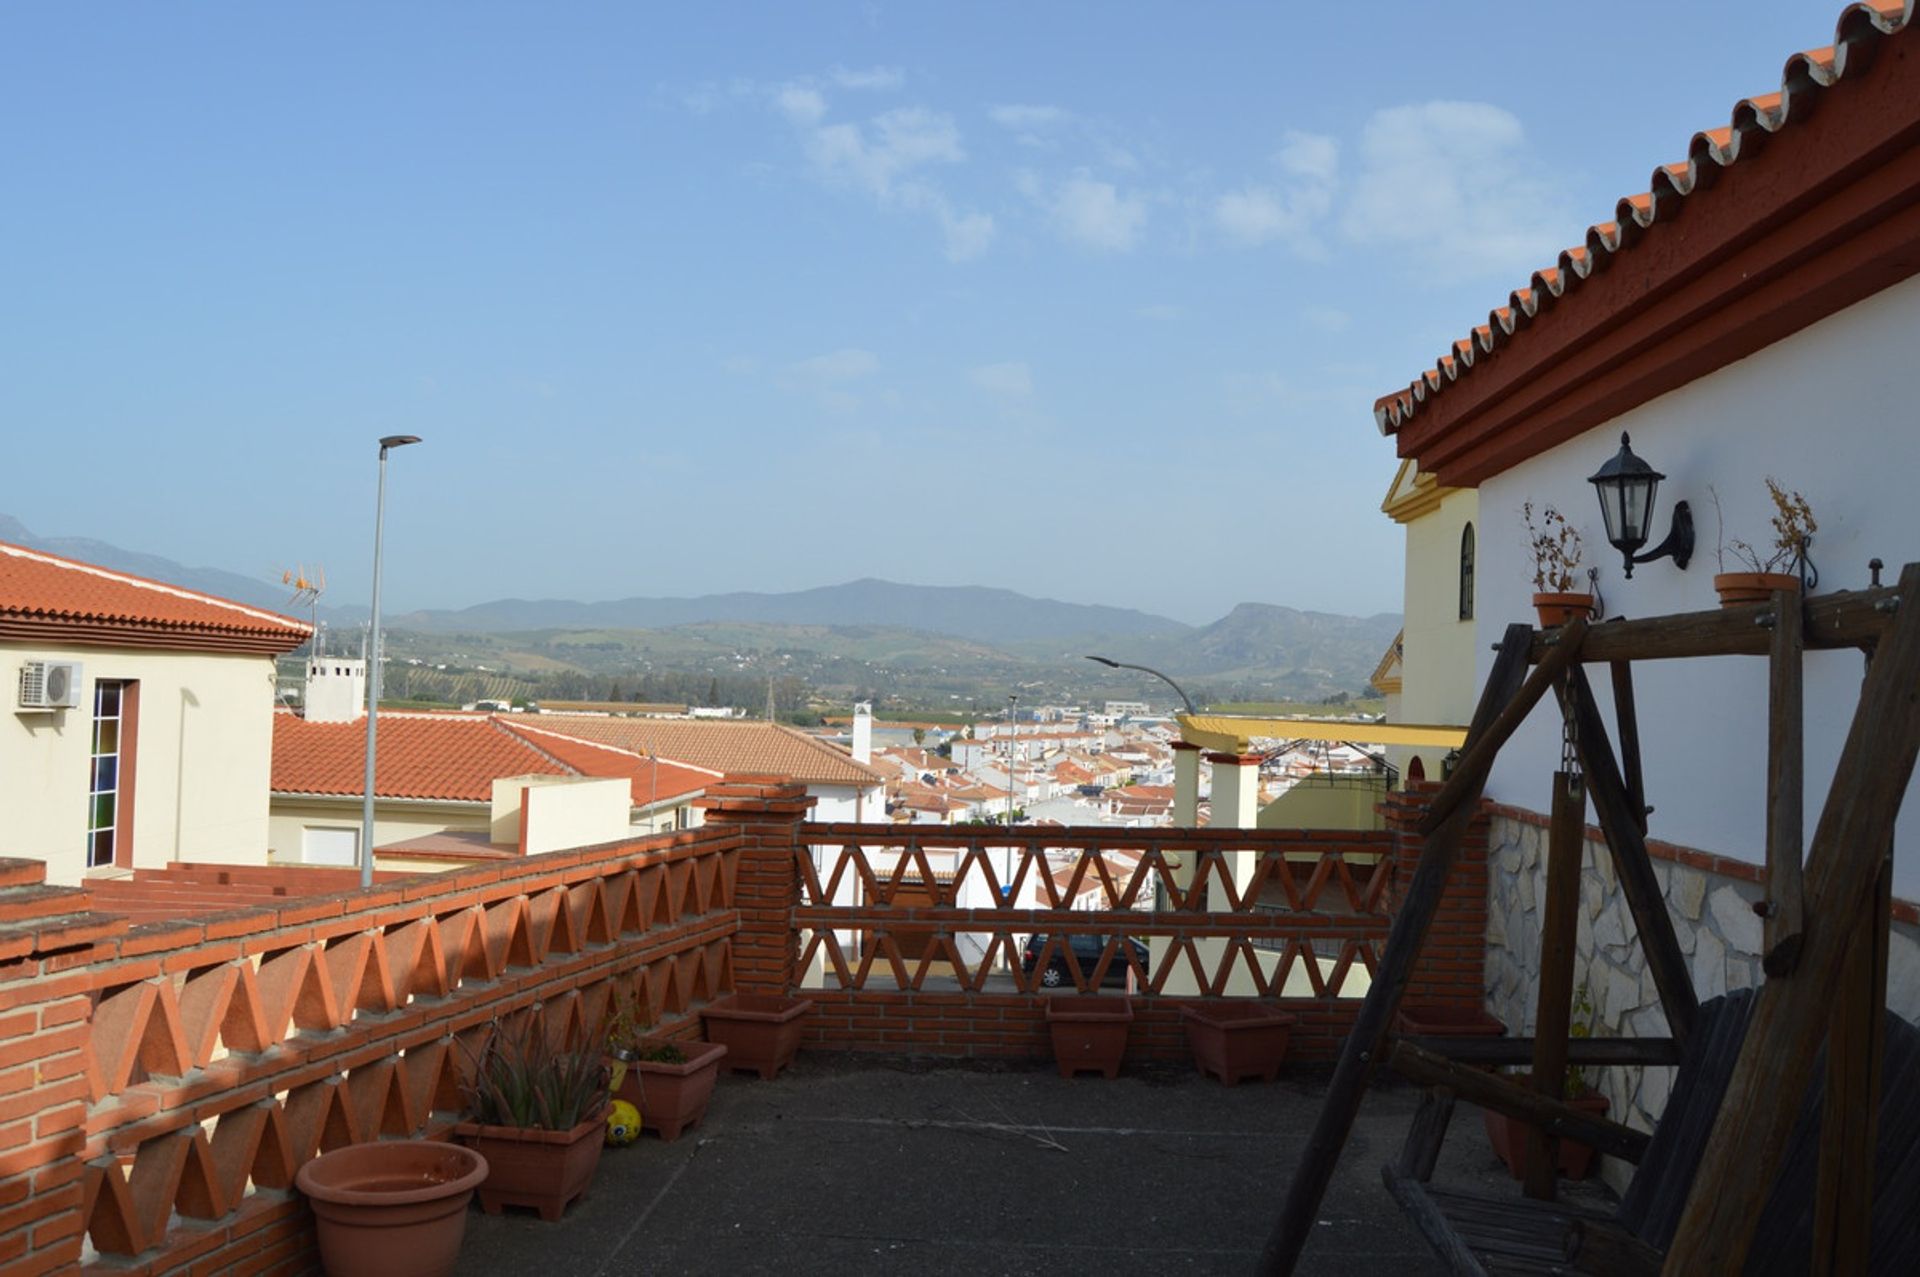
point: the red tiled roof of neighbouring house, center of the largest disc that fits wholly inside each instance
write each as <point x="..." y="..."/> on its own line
<point x="455" y="758"/>
<point x="1649" y="302"/>
<point x="733" y="747"/>
<point x="654" y="780"/>
<point x="45" y="597"/>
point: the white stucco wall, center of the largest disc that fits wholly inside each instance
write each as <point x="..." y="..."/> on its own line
<point x="205" y="746"/>
<point x="1827" y="412"/>
<point x="392" y="821"/>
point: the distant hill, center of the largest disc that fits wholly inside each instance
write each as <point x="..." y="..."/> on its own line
<point x="228" y="585"/>
<point x="969" y="612"/>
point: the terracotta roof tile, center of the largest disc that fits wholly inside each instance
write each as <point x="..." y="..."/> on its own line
<point x="36" y="586"/>
<point x="727" y="747"/>
<point x="455" y="758"/>
<point x="1805" y="76"/>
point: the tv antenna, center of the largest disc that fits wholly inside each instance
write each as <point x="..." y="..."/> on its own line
<point x="308" y="586"/>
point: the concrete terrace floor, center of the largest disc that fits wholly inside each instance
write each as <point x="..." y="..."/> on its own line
<point x="873" y="1165"/>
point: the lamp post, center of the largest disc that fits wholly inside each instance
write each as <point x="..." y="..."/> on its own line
<point x="373" y="660"/>
<point x="1122" y="665"/>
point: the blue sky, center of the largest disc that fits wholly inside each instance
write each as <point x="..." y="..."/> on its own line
<point x="1084" y="300"/>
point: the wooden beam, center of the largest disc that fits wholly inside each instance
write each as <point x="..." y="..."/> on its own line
<point x="1360" y="1054"/>
<point x="1786" y="810"/>
<point x="1850" y="618"/>
<point x="1631" y="862"/>
<point x="1432" y="1223"/>
<point x="1426" y="1133"/>
<point x="1763" y="1097"/>
<point x="1560" y="915"/>
<point x="1856" y="1046"/>
<point x="1600" y="1051"/>
<point x="1470" y="773"/>
<point x="1490" y="1090"/>
<point x="1626" y="718"/>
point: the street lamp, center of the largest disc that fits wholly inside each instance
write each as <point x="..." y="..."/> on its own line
<point x="1122" y="665"/>
<point x="373" y="657"/>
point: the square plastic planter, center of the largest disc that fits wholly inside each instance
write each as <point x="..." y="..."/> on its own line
<point x="1237" y="1040"/>
<point x="761" y="1032"/>
<point x="1436" y="1020"/>
<point x="546" y="1170"/>
<point x="1089" y="1032"/>
<point x="671" y="1097"/>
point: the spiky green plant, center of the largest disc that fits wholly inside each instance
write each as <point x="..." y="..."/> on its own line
<point x="523" y="1080"/>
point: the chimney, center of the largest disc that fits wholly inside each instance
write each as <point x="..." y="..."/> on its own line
<point x="336" y="690"/>
<point x="863" y="732"/>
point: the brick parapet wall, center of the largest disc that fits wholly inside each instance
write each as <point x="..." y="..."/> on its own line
<point x="1452" y="963"/>
<point x="764" y="813"/>
<point x="299" y="1027"/>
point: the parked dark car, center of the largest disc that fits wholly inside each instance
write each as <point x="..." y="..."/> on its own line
<point x="1086" y="951"/>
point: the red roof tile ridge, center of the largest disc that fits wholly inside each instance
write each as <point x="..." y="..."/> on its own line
<point x="1804" y="72"/>
<point x="159" y="587"/>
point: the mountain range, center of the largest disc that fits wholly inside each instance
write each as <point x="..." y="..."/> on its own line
<point x="1279" y="647"/>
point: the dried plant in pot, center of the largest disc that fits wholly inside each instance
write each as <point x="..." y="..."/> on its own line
<point x="537" y="1110"/>
<point x="1555" y="546"/>
<point x="670" y="1082"/>
<point x="391" y="1208"/>
<point x="1781" y="565"/>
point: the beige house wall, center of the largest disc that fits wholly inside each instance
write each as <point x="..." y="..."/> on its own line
<point x="1438" y="681"/>
<point x="202" y="767"/>
<point x="1340" y="802"/>
<point x="392" y="821"/>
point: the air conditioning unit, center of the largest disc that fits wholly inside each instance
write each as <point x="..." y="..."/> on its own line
<point x="49" y="685"/>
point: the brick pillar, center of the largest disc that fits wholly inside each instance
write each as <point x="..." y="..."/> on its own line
<point x="766" y="811"/>
<point x="46" y="934"/>
<point x="1451" y="968"/>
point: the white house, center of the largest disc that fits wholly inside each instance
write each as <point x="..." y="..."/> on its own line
<point x="138" y="722"/>
<point x="1752" y="315"/>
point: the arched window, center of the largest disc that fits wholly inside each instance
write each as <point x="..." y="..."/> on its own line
<point x="1466" y="573"/>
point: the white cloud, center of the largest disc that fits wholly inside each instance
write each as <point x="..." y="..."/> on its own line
<point x="888" y="159"/>
<point x="1257" y="214"/>
<point x="1090" y="212"/>
<point x="1021" y="117"/>
<point x="876" y="79"/>
<point x="1008" y="380"/>
<point x="837" y="367"/>
<point x="1455" y="182"/>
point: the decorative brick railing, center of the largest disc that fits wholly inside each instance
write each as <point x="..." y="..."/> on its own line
<point x="160" y="1084"/>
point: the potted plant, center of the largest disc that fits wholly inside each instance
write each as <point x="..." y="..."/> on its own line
<point x="670" y="1083"/>
<point x="1758" y="576"/>
<point x="1555" y="544"/>
<point x="1235" y="1040"/>
<point x="1089" y="1031"/>
<point x="537" y="1112"/>
<point x="391" y="1208"/>
<point x="1508" y="1135"/>
<point x="760" y="1031"/>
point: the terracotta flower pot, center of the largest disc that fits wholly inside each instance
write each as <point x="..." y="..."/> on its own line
<point x="1558" y="609"/>
<point x="1440" y="1020"/>
<point x="1740" y="588"/>
<point x="547" y="1170"/>
<point x="761" y="1033"/>
<point x="391" y="1208"/>
<point x="1089" y="1032"/>
<point x="1508" y="1135"/>
<point x="670" y="1097"/>
<point x="1235" y="1040"/>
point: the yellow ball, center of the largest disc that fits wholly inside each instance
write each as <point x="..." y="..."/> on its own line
<point x="623" y="1124"/>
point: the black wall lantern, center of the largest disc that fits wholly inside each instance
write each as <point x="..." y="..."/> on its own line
<point x="1626" y="485"/>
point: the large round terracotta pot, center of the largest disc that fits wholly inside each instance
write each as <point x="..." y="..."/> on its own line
<point x="1740" y="588"/>
<point x="391" y="1208"/>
